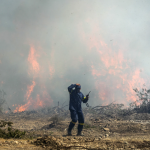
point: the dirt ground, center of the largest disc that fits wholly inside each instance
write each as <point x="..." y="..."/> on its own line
<point x="109" y="133"/>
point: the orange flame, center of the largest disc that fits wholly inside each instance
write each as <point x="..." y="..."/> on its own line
<point x="24" y="107"/>
<point x="32" y="60"/>
<point x="114" y="66"/>
<point x="21" y="108"/>
<point x="39" y="101"/>
<point x="114" y="78"/>
<point x="30" y="90"/>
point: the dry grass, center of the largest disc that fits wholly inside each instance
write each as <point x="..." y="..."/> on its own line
<point x="56" y="119"/>
<point x="88" y="124"/>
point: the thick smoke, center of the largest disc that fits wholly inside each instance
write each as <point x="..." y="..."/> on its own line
<point x="47" y="45"/>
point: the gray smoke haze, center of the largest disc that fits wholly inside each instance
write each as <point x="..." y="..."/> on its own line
<point x="101" y="44"/>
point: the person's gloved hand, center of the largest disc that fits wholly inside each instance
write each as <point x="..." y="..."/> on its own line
<point x="87" y="96"/>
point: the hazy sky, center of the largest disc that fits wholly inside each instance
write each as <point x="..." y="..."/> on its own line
<point x="46" y="45"/>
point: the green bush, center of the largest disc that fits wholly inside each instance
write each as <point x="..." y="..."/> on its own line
<point x="9" y="132"/>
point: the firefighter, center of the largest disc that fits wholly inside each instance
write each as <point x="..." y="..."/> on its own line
<point x="76" y="97"/>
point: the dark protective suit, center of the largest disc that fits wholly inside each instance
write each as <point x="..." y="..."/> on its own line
<point x="76" y="98"/>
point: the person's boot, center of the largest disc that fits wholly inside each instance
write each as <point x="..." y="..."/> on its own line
<point x="70" y="128"/>
<point x="80" y="127"/>
<point x="80" y="134"/>
<point x="69" y="132"/>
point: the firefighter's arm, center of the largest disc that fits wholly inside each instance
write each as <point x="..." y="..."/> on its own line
<point x="85" y="99"/>
<point x="70" y="88"/>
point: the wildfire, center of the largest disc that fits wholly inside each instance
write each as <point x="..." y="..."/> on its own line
<point x="30" y="90"/>
<point x="113" y="73"/>
<point x="39" y="100"/>
<point x="24" y="107"/>
<point x="114" y="77"/>
<point x="34" y="68"/>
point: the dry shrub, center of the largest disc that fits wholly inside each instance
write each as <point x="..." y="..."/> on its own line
<point x="56" y="119"/>
<point x="125" y="127"/>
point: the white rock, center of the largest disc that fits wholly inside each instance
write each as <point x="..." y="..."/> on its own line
<point x="16" y="142"/>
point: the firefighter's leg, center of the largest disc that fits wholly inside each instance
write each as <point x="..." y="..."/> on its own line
<point x="73" y="122"/>
<point x="81" y="122"/>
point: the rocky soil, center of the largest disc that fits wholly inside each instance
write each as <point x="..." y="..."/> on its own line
<point x="100" y="132"/>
